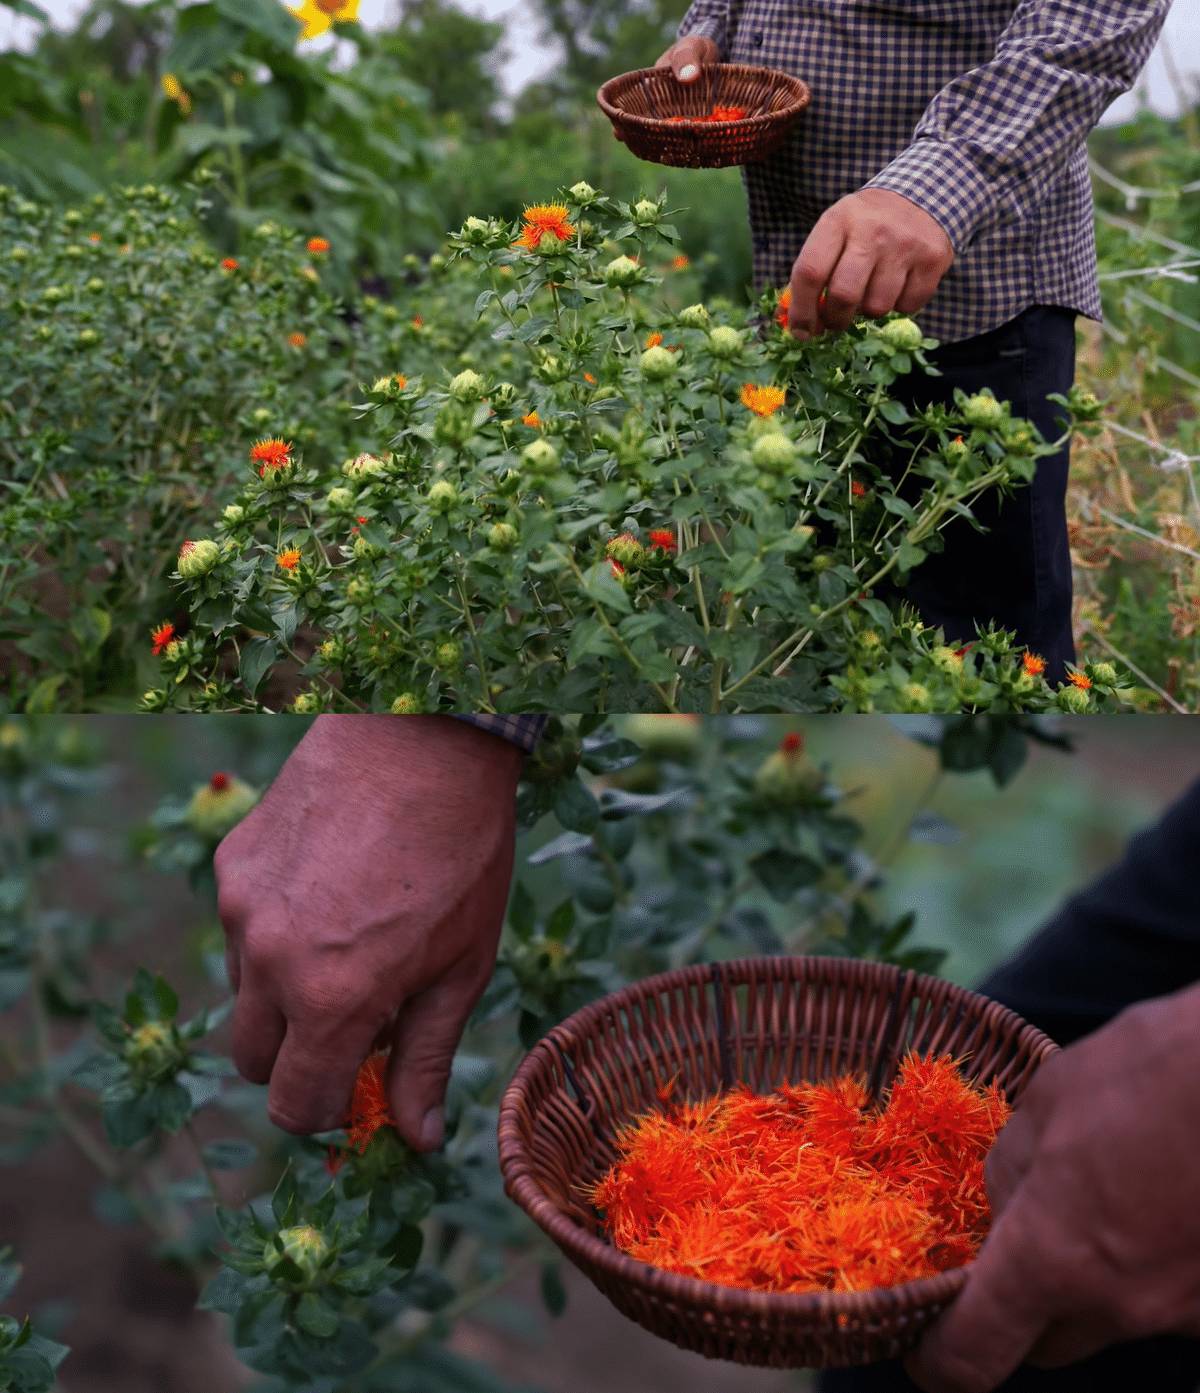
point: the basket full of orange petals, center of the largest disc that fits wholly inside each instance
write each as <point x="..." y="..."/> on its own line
<point x="776" y="1161"/>
<point x="732" y="114"/>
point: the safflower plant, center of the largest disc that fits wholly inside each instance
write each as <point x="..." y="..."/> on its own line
<point x="343" y="1261"/>
<point x="641" y="507"/>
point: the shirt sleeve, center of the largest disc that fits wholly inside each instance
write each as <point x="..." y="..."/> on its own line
<point x="524" y="731"/>
<point x="991" y="143"/>
<point x="707" y="19"/>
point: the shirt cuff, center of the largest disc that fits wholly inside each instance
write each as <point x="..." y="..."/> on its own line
<point x="941" y="180"/>
<point x="523" y="731"/>
<point x="713" y="29"/>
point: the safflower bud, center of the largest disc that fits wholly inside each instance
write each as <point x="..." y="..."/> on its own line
<point x="303" y="1244"/>
<point x="406" y="704"/>
<point x="503" y="394"/>
<point x="1104" y="673"/>
<point x="773" y="452"/>
<point x="363" y="466"/>
<point x="626" y="549"/>
<point x="583" y="193"/>
<point x="1073" y="700"/>
<point x="646" y="212"/>
<point x="233" y="513"/>
<point x="914" y="697"/>
<point x="442" y="496"/>
<point x="340" y="499"/>
<point x="198" y="558"/>
<point x="502" y="536"/>
<point x="467" y="386"/>
<point x="219" y="805"/>
<point x="540" y="456"/>
<point x="902" y="334"/>
<point x="658" y="364"/>
<point x="153" y="1051"/>
<point x="694" y="317"/>
<point x="447" y="656"/>
<point x="622" y="272"/>
<point x="982" y="410"/>
<point x="725" y="341"/>
<point x="787" y="778"/>
<point x="306" y="704"/>
<point x="676" y="737"/>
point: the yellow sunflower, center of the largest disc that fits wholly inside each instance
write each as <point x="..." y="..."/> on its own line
<point x="317" y="16"/>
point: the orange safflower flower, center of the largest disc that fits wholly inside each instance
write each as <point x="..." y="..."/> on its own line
<point x="783" y="306"/>
<point x="533" y="421"/>
<point x="653" y="340"/>
<point x="1080" y="680"/>
<point x="369" y="1108"/>
<point x="319" y="245"/>
<point x="812" y="1187"/>
<point x="160" y="637"/>
<point x="1034" y="664"/>
<point x="298" y="340"/>
<point x="540" y="219"/>
<point x="288" y="560"/>
<point x="857" y="490"/>
<point x="401" y="381"/>
<point x="792" y="743"/>
<point x="271" y="454"/>
<point x="230" y="264"/>
<point x="617" y="569"/>
<point x="95" y="239"/>
<point x="681" y="262"/>
<point x="589" y="378"/>
<point x="763" y="401"/>
<point x="417" y="321"/>
<point x="662" y="539"/>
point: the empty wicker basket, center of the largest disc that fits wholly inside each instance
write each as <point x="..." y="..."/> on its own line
<point x="758" y="1021"/>
<point x="641" y="106"/>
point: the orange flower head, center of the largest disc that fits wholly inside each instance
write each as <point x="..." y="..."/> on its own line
<point x="783" y="306"/>
<point x="298" y="340"/>
<point x="792" y="743"/>
<point x="681" y="262"/>
<point x="1080" y="680"/>
<point x="763" y="401"/>
<point x="541" y="219"/>
<point x="95" y="239"/>
<point x="219" y="782"/>
<point x="160" y="637"/>
<point x="663" y="539"/>
<point x="857" y="490"/>
<point x="653" y="340"/>
<point x="271" y="455"/>
<point x="1034" y="664"/>
<point x="417" y="321"/>
<point x="590" y="379"/>
<point x="288" y="560"/>
<point x="230" y="264"/>
<point x="401" y="381"/>
<point x="318" y="246"/>
<point x="369" y="1107"/>
<point x="532" y="420"/>
<point x="617" y="569"/>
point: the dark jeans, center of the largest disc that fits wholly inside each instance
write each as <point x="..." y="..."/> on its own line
<point x="1132" y="935"/>
<point x="1018" y="572"/>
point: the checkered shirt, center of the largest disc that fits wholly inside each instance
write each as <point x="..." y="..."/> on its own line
<point x="976" y="110"/>
<point x="524" y="731"/>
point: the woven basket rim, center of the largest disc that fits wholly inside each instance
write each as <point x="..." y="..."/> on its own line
<point x="592" y="1252"/>
<point x="801" y="90"/>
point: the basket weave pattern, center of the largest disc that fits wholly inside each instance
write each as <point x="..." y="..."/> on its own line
<point x="761" y="1022"/>
<point x="639" y="105"/>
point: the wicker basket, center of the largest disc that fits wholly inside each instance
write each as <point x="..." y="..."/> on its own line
<point x="760" y="1021"/>
<point x="639" y="105"/>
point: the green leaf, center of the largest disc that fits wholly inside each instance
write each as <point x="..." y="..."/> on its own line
<point x="554" y="1294"/>
<point x="172" y="1105"/>
<point x="44" y="696"/>
<point x="257" y="658"/>
<point x="127" y="1122"/>
<point x="782" y="873"/>
<point x="165" y="999"/>
<point x="575" y="806"/>
<point x="266" y="18"/>
<point x="315" y="1316"/>
<point x="284" y="1198"/>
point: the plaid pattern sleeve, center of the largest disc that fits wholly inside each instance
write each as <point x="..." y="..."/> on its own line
<point x="994" y="140"/>
<point x="707" y="19"/>
<point x="524" y="731"/>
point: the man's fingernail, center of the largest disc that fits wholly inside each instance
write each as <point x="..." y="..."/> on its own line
<point x="432" y="1126"/>
<point x="687" y="73"/>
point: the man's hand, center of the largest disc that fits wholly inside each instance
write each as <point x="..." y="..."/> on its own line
<point x="688" y="56"/>
<point x="1095" y="1195"/>
<point x="871" y="253"/>
<point x="362" y="902"/>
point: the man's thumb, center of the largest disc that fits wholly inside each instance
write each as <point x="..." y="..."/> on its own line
<point x="424" y="1039"/>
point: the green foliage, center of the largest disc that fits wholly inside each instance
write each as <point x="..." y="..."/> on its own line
<point x="27" y="1360"/>
<point x="644" y="844"/>
<point x="641" y="540"/>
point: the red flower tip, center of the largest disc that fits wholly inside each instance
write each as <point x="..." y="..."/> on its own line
<point x="160" y="637"/>
<point x="792" y="743"/>
<point x="663" y="539"/>
<point x="219" y="783"/>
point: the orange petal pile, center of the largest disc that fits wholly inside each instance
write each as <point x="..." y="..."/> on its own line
<point x="808" y="1189"/>
<point x="718" y="113"/>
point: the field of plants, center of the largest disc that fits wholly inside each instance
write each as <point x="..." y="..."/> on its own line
<point x="333" y="382"/>
<point x="334" y="1263"/>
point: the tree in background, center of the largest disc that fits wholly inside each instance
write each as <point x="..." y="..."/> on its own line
<point x="456" y="56"/>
